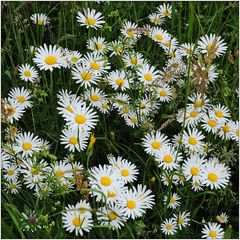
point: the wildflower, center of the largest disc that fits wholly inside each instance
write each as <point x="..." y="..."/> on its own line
<point x="165" y="10"/>
<point x="222" y="218"/>
<point x="28" y="73"/>
<point x="21" y="96"/>
<point x="156" y="19"/>
<point x="182" y="219"/>
<point x="147" y="74"/>
<point x="118" y="80"/>
<point x="173" y="201"/>
<point x="40" y="19"/>
<point x="97" y="44"/>
<point x="169" y="226"/>
<point x="212" y="231"/>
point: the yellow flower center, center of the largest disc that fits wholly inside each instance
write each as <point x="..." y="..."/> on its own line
<point x="167" y="44"/>
<point x="163" y="93"/>
<point x="95" y="65"/>
<point x="120" y="82"/>
<point x="98" y="46"/>
<point x="86" y="76"/>
<point x="169" y="227"/>
<point x="27" y="146"/>
<point x="82" y="210"/>
<point x="193" y="114"/>
<point x="167" y="159"/>
<point x="70" y="108"/>
<point x="125" y="173"/>
<point x="111" y="194"/>
<point x="130" y="32"/>
<point x="126" y="110"/>
<point x="212" y="177"/>
<point x="59" y="173"/>
<point x="192" y="140"/>
<point x="90" y="21"/>
<point x="112" y="216"/>
<point x="105" y="105"/>
<point x="156" y="20"/>
<point x="21" y="99"/>
<point x="10" y="172"/>
<point x="168" y="74"/>
<point x="27" y="73"/>
<point x="148" y="77"/>
<point x="40" y="22"/>
<point x="80" y="119"/>
<point x="172" y="200"/>
<point x="105" y="181"/>
<point x="118" y="49"/>
<point x="180" y="220"/>
<point x="198" y="103"/>
<point x="172" y="54"/>
<point x="133" y="120"/>
<point x="12" y="186"/>
<point x="226" y="128"/>
<point x="33" y="171"/>
<point x="237" y="132"/>
<point x="213" y="234"/>
<point x="131" y="204"/>
<point x="159" y="37"/>
<point x="77" y="221"/>
<point x="209" y="46"/>
<point x="74" y="59"/>
<point x="189" y="51"/>
<point x="156" y="144"/>
<point x="73" y="140"/>
<point x="212" y="123"/>
<point x="133" y="61"/>
<point x="95" y="98"/>
<point x="194" y="171"/>
<point x="219" y="114"/>
<point x="166" y="13"/>
<point x="142" y="106"/>
<point x="50" y="60"/>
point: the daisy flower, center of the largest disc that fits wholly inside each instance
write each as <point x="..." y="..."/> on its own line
<point x="170" y="45"/>
<point x="132" y="119"/>
<point x="113" y="216"/>
<point x="126" y="170"/>
<point x="193" y="116"/>
<point x="13" y="186"/>
<point x="96" y="62"/>
<point x="84" y="76"/>
<point x="209" y="123"/>
<point x="90" y="18"/>
<point x="11" y="172"/>
<point x="104" y="179"/>
<point x="153" y="142"/>
<point x="118" y="80"/>
<point x="215" y="176"/>
<point x="213" y="44"/>
<point x="220" y="113"/>
<point x="104" y="107"/>
<point x="199" y="101"/>
<point x="169" y="226"/>
<point x="167" y="178"/>
<point x="21" y="96"/>
<point x="82" y="207"/>
<point x="168" y="158"/>
<point x="193" y="167"/>
<point x="49" y="57"/>
<point x="44" y="144"/>
<point x="40" y="19"/>
<point x="95" y="96"/>
<point x="192" y="140"/>
<point x="173" y="202"/>
<point x="165" y="10"/>
<point x="97" y="44"/>
<point x="156" y="19"/>
<point x="164" y="93"/>
<point x="147" y="74"/>
<point x="63" y="171"/>
<point x="83" y="117"/>
<point x="146" y="104"/>
<point x="120" y="100"/>
<point x="182" y="219"/>
<point x="26" y="144"/>
<point x="196" y="186"/>
<point x="222" y="218"/>
<point x="132" y="206"/>
<point x="73" y="58"/>
<point x="28" y="73"/>
<point x="224" y="130"/>
<point x="129" y="29"/>
<point x="188" y="50"/>
<point x="212" y="231"/>
<point x="235" y="130"/>
<point x="116" y="48"/>
<point x="159" y="35"/>
<point x="133" y="60"/>
<point x="74" y="139"/>
<point x="75" y="222"/>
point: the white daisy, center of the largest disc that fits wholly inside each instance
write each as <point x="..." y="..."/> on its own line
<point x="95" y="96"/>
<point x="163" y="93"/>
<point x="212" y="231"/>
<point x="40" y="19"/>
<point x="209" y="123"/>
<point x="90" y="18"/>
<point x="147" y="74"/>
<point x="222" y="218"/>
<point x="118" y="80"/>
<point x="133" y="60"/>
<point x="235" y="131"/>
<point x="13" y="186"/>
<point x="182" y="219"/>
<point x="21" y="96"/>
<point x="172" y="201"/>
<point x="11" y="172"/>
<point x="169" y="226"/>
<point x="26" y="144"/>
<point x="160" y="36"/>
<point x="165" y="10"/>
<point x="49" y="57"/>
<point x="220" y="113"/>
<point x="188" y="50"/>
<point x="97" y="44"/>
<point x="130" y="30"/>
<point x="156" y="19"/>
<point x="28" y="73"/>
